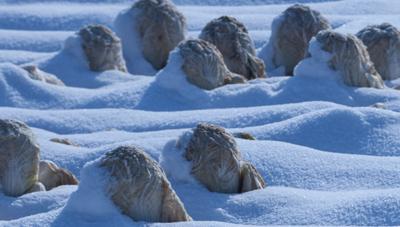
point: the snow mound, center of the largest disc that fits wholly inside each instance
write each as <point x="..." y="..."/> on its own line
<point x="267" y="51"/>
<point x="173" y="162"/>
<point x="318" y="64"/>
<point x="97" y="207"/>
<point x="169" y="90"/>
<point x="34" y="203"/>
<point x="174" y="79"/>
<point x="71" y="66"/>
<point x="125" y="25"/>
<point x="336" y="129"/>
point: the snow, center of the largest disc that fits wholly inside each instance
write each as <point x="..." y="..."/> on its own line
<point x="173" y="79"/>
<point x="34" y="203"/>
<point x="267" y="51"/>
<point x="316" y="66"/>
<point x="328" y="157"/>
<point x="173" y="162"/>
<point x="90" y="201"/>
<point x="131" y="43"/>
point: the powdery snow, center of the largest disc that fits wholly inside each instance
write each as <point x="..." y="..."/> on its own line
<point x="131" y="43"/>
<point x="328" y="157"/>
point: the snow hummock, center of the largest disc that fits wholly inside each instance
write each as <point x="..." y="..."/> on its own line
<point x="34" y="203"/>
<point x="90" y="201"/>
<point x="173" y="161"/>
<point x="173" y="78"/>
<point x="268" y="50"/>
<point x="125" y="28"/>
<point x="317" y="65"/>
<point x="71" y="66"/>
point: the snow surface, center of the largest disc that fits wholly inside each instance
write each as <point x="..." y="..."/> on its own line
<point x="327" y="156"/>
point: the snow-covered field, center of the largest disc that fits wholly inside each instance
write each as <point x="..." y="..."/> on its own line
<point x="327" y="156"/>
